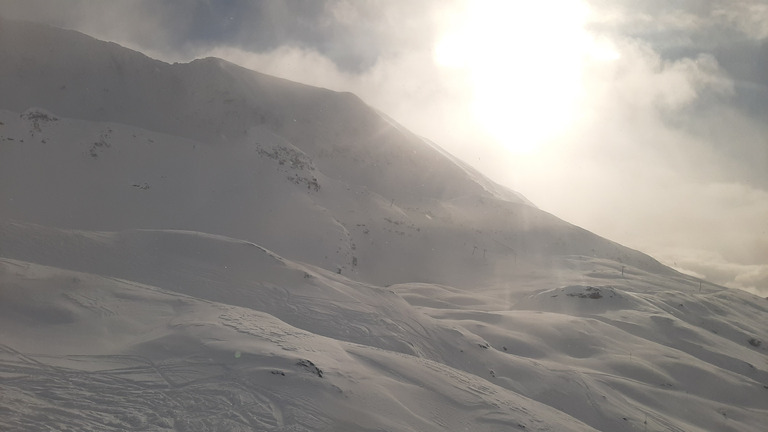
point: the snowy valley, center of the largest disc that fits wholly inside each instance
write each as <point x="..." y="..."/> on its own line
<point x="199" y="247"/>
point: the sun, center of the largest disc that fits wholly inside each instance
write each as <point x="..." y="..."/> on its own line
<point x="523" y="62"/>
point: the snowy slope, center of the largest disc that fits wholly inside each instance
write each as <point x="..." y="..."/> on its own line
<point x="94" y="175"/>
<point x="156" y="309"/>
<point x="202" y="247"/>
<point x="231" y="138"/>
<point x="126" y="356"/>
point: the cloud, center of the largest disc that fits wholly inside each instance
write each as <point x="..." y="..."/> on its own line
<point x="629" y="174"/>
<point x="407" y="86"/>
<point x="644" y="80"/>
<point x="351" y="34"/>
<point x="749" y="17"/>
<point x="160" y="27"/>
<point x="712" y="267"/>
<point x="662" y="158"/>
<point x="290" y="62"/>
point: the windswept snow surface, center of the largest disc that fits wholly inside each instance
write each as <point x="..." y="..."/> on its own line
<point x="197" y="247"/>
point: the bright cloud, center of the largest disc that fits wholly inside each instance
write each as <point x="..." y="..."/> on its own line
<point x="523" y="62"/>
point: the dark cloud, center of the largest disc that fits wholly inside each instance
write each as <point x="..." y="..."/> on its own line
<point x="686" y="29"/>
<point x="352" y="34"/>
<point x="731" y="123"/>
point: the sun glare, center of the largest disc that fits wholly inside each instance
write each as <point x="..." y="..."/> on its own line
<point x="524" y="63"/>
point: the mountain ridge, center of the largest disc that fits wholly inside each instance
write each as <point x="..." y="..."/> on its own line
<point x="275" y="118"/>
<point x="197" y="247"/>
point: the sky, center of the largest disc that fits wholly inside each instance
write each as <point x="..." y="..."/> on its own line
<point x="644" y="122"/>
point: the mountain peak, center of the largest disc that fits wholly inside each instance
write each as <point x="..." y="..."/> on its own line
<point x="276" y="146"/>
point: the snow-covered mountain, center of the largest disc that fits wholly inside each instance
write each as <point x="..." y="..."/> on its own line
<point x="202" y="247"/>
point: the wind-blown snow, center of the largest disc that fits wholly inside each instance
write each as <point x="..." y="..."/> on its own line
<point x="202" y="247"/>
